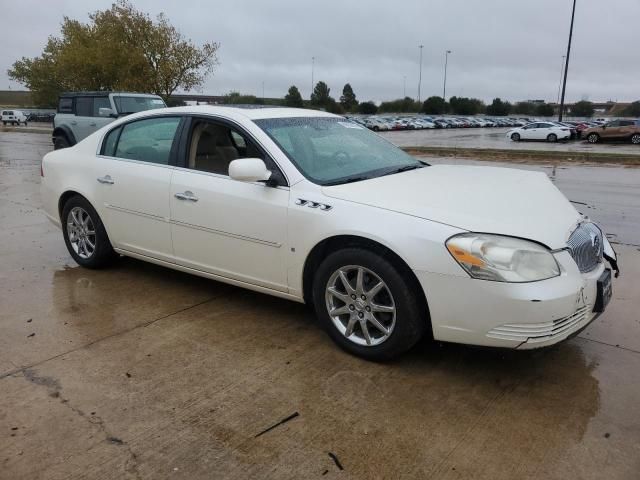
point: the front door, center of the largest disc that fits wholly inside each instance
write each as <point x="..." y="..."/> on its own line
<point x="134" y="170"/>
<point x="222" y="226"/>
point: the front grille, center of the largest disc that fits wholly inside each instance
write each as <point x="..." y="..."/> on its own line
<point x="585" y="246"/>
<point x="539" y="332"/>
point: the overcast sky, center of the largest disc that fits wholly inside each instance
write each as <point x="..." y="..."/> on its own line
<point x="506" y="48"/>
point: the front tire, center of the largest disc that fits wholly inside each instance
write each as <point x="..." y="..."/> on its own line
<point x="85" y="235"/>
<point x="552" y="138"/>
<point x="635" y="138"/>
<point x="593" y="138"/>
<point x="366" y="305"/>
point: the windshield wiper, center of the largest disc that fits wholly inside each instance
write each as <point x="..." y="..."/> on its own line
<point x="347" y="180"/>
<point x="406" y="168"/>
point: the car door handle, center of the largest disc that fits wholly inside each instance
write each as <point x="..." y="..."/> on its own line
<point x="106" y="180"/>
<point x="186" y="196"/>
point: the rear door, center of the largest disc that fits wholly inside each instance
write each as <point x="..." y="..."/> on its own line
<point x="611" y="129"/>
<point x="134" y="170"/>
<point x="627" y="128"/>
<point x="234" y="229"/>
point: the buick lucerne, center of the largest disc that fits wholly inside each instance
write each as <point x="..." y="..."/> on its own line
<point x="315" y="208"/>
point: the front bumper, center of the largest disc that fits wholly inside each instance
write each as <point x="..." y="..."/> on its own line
<point x="511" y="315"/>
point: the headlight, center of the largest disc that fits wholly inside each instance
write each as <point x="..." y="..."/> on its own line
<point x="502" y="259"/>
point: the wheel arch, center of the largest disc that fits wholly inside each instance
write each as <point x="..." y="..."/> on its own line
<point x="63" y="130"/>
<point x="338" y="242"/>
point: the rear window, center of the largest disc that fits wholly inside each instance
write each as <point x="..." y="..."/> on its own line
<point x="147" y="140"/>
<point x="65" y="105"/>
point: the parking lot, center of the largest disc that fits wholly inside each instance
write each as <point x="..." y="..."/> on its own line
<point x="494" y="138"/>
<point x="144" y="372"/>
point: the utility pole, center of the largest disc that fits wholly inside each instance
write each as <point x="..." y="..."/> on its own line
<point x="313" y="61"/>
<point x="560" y="81"/>
<point x="566" y="65"/>
<point x="404" y="86"/>
<point x="444" y="88"/>
<point x="420" y="77"/>
<point x="263" y="91"/>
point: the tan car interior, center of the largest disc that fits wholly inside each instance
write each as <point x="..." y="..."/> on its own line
<point x="211" y="149"/>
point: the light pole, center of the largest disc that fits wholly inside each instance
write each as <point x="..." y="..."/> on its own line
<point x="313" y="61"/>
<point x="420" y="77"/>
<point x="444" y="86"/>
<point x="404" y="86"/>
<point x="263" y="91"/>
<point x="560" y="81"/>
<point x="566" y="65"/>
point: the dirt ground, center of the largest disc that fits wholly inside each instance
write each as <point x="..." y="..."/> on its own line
<point x="143" y="372"/>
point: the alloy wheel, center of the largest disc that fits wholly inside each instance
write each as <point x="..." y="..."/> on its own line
<point x="81" y="232"/>
<point x="360" y="305"/>
<point x="635" y="139"/>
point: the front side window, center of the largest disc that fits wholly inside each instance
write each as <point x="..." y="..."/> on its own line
<point x="333" y="150"/>
<point x="129" y="104"/>
<point x="148" y="140"/>
<point x="615" y="123"/>
<point x="98" y="103"/>
<point x="213" y="146"/>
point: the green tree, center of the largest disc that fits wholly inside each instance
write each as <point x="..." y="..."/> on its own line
<point x="466" y="106"/>
<point x="583" y="108"/>
<point x="633" y="110"/>
<point x="367" y="108"/>
<point x="525" y="108"/>
<point x="498" y="108"/>
<point x="320" y="96"/>
<point x="401" y="105"/>
<point x="435" y="105"/>
<point x="348" y="99"/>
<point x="118" y="49"/>
<point x="236" y="98"/>
<point x="293" y="98"/>
<point x="544" y="110"/>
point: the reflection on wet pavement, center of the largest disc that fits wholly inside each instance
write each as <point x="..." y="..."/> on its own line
<point x="143" y="372"/>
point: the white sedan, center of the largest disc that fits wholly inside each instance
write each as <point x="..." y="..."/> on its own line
<point x="314" y="208"/>
<point x="540" y="131"/>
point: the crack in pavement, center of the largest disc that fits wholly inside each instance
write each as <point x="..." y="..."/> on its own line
<point x="87" y="345"/>
<point x="55" y="389"/>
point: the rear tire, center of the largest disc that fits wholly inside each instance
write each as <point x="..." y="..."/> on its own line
<point x="552" y="137"/>
<point x="593" y="138"/>
<point x="60" y="142"/>
<point x="515" y="137"/>
<point x="402" y="328"/>
<point x="635" y="138"/>
<point x="85" y="235"/>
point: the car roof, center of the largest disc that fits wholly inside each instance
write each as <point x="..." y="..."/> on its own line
<point x="104" y="93"/>
<point x="235" y="113"/>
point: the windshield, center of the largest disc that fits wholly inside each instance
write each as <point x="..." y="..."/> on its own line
<point x="329" y="151"/>
<point x="131" y="104"/>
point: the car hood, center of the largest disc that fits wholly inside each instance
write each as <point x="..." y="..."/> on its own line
<point x="505" y="201"/>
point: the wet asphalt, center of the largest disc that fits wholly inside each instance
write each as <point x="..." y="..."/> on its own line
<point x="142" y="372"/>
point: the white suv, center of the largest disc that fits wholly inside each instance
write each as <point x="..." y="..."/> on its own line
<point x="82" y="113"/>
<point x="14" y="117"/>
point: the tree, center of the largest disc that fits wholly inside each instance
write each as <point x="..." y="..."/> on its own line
<point x="367" y="108"/>
<point x="583" y="108"/>
<point x="320" y="96"/>
<point x="435" y="105"/>
<point x="633" y="110"/>
<point x="293" y="98"/>
<point x="118" y="49"/>
<point x="499" y="108"/>
<point x="544" y="110"/>
<point x="348" y="99"/>
<point x="525" y="108"/>
<point x="466" y="106"/>
<point x="401" y="105"/>
<point x="236" y="98"/>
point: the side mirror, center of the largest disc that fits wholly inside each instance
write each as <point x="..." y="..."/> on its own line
<point x="249" y="170"/>
<point x="106" y="112"/>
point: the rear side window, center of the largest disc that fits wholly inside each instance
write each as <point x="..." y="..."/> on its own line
<point x="84" y="106"/>
<point x="147" y="140"/>
<point x="626" y="123"/>
<point x="65" y="105"/>
<point x="110" y="142"/>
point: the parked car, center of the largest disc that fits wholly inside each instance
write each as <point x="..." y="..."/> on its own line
<point x="14" y="117"/>
<point x="82" y="113"/>
<point x="540" y="131"/>
<point x="614" y="130"/>
<point x="311" y="207"/>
